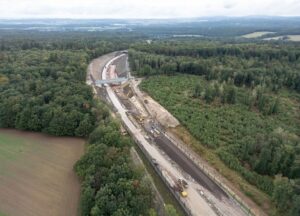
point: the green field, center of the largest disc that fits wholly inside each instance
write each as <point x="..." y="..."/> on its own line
<point x="11" y="148"/>
<point x="295" y="38"/>
<point x="256" y="34"/>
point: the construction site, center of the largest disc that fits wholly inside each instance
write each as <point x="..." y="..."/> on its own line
<point x="148" y="122"/>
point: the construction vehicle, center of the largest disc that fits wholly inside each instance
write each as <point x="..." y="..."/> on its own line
<point x="182" y="185"/>
<point x="156" y="131"/>
<point x="141" y="119"/>
<point x="181" y="190"/>
<point x="178" y="184"/>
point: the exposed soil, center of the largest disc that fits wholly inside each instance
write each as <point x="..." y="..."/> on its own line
<point x="159" y="112"/>
<point x="96" y="66"/>
<point x="40" y="180"/>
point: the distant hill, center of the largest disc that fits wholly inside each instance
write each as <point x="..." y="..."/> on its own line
<point x="206" y="26"/>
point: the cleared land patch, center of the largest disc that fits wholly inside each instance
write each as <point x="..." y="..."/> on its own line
<point x="256" y="34"/>
<point x="295" y="38"/>
<point x="224" y="127"/>
<point x="36" y="174"/>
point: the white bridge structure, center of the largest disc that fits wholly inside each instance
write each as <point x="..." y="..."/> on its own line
<point x="111" y="75"/>
<point x="116" y="81"/>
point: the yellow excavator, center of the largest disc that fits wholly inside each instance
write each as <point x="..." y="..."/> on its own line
<point x="182" y="185"/>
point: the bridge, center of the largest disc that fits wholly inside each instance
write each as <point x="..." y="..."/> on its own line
<point x="111" y="81"/>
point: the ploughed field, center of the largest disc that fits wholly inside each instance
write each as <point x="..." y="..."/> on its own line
<point x="36" y="174"/>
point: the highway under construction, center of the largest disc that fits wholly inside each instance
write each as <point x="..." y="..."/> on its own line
<point x="197" y="192"/>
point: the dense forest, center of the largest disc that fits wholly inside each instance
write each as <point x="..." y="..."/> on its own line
<point x="270" y="65"/>
<point x="43" y="83"/>
<point x="42" y="88"/>
<point x="111" y="184"/>
<point x="240" y="100"/>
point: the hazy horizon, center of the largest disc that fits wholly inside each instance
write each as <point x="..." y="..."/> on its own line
<point x="133" y="9"/>
<point x="154" y="18"/>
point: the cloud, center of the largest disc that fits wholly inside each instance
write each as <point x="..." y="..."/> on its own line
<point x="144" y="9"/>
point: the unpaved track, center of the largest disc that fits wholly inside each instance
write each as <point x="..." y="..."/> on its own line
<point x="41" y="180"/>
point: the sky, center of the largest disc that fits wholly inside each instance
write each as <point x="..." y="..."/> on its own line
<point x="85" y="9"/>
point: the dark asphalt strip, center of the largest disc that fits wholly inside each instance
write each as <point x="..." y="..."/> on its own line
<point x="189" y="166"/>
